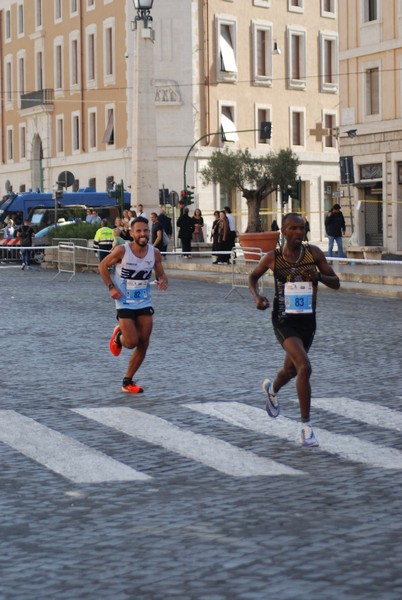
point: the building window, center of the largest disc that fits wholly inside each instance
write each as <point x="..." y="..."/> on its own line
<point x="328" y="8"/>
<point x="228" y="124"/>
<point x="330" y="125"/>
<point x="297" y="59"/>
<point x="8" y="25"/>
<point x="21" y="77"/>
<point x="91" y="57"/>
<point x="74" y="76"/>
<point x="39" y="70"/>
<point x="73" y="7"/>
<point x="20" y="20"/>
<point x="90" y="4"/>
<point x="60" y="134"/>
<point x="262" y="50"/>
<point x="75" y="118"/>
<point x="10" y="144"/>
<point x="296" y="5"/>
<point x="57" y="10"/>
<point x="370" y="10"/>
<point x="297" y="128"/>
<point x="329" y="62"/>
<point x="9" y="83"/>
<point x="108" y="137"/>
<point x="373" y="91"/>
<point x="58" y="67"/>
<point x="263" y="115"/>
<point x="108" y="51"/>
<point x="227" y="63"/>
<point x="92" y="129"/>
<point x="38" y="14"/>
<point x="23" y="141"/>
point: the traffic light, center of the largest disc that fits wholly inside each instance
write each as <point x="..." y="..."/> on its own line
<point x="183" y="197"/>
<point x="164" y="196"/>
<point x="190" y="196"/>
<point x="118" y="193"/>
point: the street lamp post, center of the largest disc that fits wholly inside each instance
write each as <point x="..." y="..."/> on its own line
<point x="144" y="164"/>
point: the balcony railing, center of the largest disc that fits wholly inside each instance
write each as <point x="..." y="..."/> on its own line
<point x="38" y="98"/>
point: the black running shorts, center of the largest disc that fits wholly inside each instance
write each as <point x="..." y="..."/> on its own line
<point x="130" y="313"/>
<point x="295" y="326"/>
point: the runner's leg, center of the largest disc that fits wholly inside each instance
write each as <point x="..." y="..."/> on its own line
<point x="136" y="334"/>
<point x="298" y="357"/>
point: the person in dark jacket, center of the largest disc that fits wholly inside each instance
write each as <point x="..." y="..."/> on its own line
<point x="186" y="228"/>
<point x="335" y="227"/>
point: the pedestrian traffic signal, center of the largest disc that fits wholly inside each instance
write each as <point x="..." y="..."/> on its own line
<point x="183" y="197"/>
<point x="164" y="196"/>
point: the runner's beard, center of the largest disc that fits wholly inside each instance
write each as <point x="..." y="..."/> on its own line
<point x="142" y="240"/>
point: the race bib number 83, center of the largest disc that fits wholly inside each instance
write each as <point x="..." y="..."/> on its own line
<point x="299" y="297"/>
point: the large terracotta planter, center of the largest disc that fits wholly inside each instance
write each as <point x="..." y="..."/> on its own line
<point x="264" y="240"/>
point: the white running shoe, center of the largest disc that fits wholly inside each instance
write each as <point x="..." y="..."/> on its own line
<point x="271" y="405"/>
<point x="307" y="437"/>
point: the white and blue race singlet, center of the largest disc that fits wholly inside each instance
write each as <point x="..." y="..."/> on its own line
<point x="132" y="278"/>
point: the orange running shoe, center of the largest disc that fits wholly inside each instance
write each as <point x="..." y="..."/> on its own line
<point x="132" y="388"/>
<point x="114" y="347"/>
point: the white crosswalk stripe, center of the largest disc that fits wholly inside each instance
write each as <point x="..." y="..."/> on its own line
<point x="205" y="449"/>
<point x="346" y="446"/>
<point x="365" y="412"/>
<point x="60" y="453"/>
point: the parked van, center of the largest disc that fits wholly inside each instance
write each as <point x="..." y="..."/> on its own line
<point x="19" y="206"/>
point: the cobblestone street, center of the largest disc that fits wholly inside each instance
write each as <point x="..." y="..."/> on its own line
<point x="190" y="491"/>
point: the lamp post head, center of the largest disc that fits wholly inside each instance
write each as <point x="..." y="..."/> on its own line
<point x="143" y="8"/>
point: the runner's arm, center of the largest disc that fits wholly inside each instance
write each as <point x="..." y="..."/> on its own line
<point x="162" y="280"/>
<point x="325" y="272"/>
<point x="267" y="262"/>
<point x="111" y="259"/>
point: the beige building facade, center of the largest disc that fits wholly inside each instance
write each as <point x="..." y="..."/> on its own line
<point x="221" y="68"/>
<point x="371" y="104"/>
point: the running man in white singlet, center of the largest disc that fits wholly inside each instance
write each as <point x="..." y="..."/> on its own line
<point x="131" y="290"/>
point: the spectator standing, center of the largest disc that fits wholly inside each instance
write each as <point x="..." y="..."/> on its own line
<point x="9" y="230"/>
<point x="141" y="212"/>
<point x="214" y="237"/>
<point x="186" y="228"/>
<point x="157" y="233"/>
<point x="88" y="217"/>
<point x="25" y="235"/>
<point x="165" y="221"/>
<point x="224" y="243"/>
<point x="334" y="227"/>
<point x="104" y="239"/>
<point x="232" y="227"/>
<point x="198" y="222"/>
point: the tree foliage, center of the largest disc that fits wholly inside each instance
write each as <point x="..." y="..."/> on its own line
<point x="255" y="176"/>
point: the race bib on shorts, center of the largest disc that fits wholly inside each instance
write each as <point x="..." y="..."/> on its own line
<point x="298" y="297"/>
<point x="137" y="291"/>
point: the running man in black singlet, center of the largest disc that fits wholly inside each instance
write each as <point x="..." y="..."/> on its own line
<point x="297" y="268"/>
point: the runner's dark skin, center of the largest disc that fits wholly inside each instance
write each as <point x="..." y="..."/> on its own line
<point x="296" y="363"/>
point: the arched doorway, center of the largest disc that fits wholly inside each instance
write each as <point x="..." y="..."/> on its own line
<point x="36" y="165"/>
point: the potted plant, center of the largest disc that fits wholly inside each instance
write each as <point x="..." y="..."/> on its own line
<point x="256" y="177"/>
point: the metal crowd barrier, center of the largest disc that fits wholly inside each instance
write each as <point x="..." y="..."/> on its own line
<point x="244" y="260"/>
<point x="66" y="259"/>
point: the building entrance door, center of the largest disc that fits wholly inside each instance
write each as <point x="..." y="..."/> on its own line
<point x="373" y="219"/>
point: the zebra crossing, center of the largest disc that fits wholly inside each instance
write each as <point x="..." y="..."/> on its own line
<point x="80" y="463"/>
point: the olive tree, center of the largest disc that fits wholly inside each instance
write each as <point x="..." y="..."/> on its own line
<point x="255" y="176"/>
